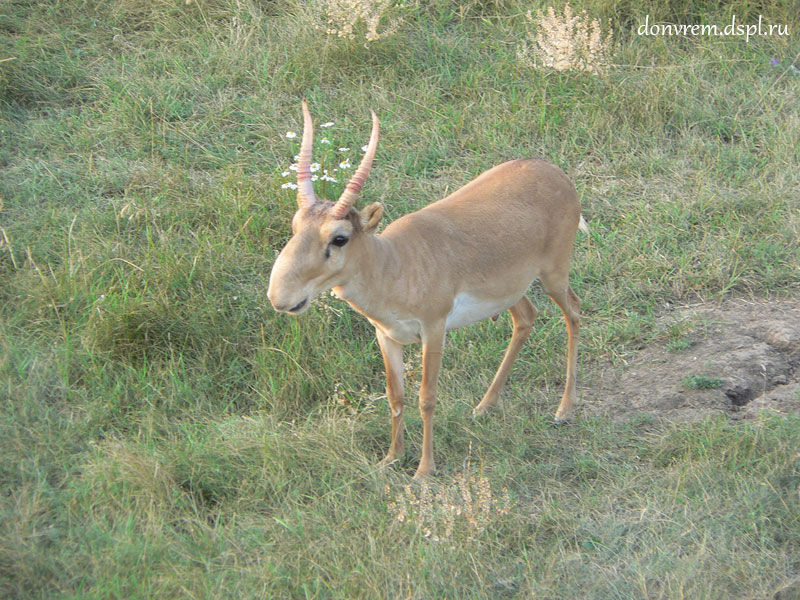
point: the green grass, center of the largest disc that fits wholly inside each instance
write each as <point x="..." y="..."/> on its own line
<point x="702" y="382"/>
<point x="165" y="434"/>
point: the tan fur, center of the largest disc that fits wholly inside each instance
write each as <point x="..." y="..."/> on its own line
<point x="467" y="256"/>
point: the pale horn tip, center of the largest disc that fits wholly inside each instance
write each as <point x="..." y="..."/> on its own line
<point x="353" y="187"/>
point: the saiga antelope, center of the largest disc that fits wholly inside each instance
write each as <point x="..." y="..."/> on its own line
<point x="466" y="257"/>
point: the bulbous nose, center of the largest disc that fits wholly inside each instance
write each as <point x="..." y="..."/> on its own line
<point x="296" y="307"/>
<point x="287" y="307"/>
<point x="288" y="289"/>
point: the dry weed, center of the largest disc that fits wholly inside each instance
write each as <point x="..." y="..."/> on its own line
<point x="566" y="42"/>
<point x="466" y="506"/>
<point x="348" y="19"/>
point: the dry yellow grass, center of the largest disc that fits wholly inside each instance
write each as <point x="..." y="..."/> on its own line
<point x="567" y="42"/>
<point x="347" y="18"/>
<point x="466" y="505"/>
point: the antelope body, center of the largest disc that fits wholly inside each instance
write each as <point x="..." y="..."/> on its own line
<point x="459" y="260"/>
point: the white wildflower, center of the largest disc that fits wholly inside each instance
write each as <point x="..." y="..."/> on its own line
<point x="314" y="167"/>
<point x="363" y="148"/>
<point x="289" y="186"/>
<point x="328" y="124"/>
<point x="293" y="167"/>
<point x="345" y="164"/>
<point x="343" y="149"/>
<point x="285" y="174"/>
<point x="324" y="141"/>
<point x="291" y="135"/>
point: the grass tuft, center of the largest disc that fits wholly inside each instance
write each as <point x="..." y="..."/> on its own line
<point x="702" y="382"/>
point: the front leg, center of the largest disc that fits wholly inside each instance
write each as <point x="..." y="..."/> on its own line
<point x="393" y="360"/>
<point x="432" y="348"/>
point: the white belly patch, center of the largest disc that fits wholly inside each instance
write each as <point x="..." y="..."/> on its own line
<point x="469" y="309"/>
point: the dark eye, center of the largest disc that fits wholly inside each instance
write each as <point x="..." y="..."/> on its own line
<point x="340" y="240"/>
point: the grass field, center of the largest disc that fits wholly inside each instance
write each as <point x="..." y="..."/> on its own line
<point x="165" y="434"/>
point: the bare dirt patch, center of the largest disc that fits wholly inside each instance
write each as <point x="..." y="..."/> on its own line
<point x="738" y="358"/>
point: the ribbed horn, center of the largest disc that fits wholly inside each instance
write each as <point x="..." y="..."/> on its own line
<point x="350" y="194"/>
<point x="305" y="187"/>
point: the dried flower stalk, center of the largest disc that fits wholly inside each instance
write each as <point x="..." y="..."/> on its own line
<point x="567" y="42"/>
<point x="343" y="17"/>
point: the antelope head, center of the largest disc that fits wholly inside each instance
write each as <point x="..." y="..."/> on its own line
<point x="327" y="237"/>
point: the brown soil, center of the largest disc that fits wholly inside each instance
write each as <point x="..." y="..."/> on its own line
<point x="749" y="351"/>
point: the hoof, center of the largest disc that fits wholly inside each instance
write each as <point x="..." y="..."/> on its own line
<point x="423" y="474"/>
<point x="480" y="412"/>
<point x="483" y="408"/>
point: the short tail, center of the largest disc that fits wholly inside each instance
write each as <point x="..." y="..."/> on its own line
<point x="583" y="226"/>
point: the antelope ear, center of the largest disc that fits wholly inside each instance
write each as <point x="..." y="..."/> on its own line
<point x="370" y="216"/>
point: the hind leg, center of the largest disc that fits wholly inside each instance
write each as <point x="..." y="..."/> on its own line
<point x="523" y="314"/>
<point x="557" y="287"/>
